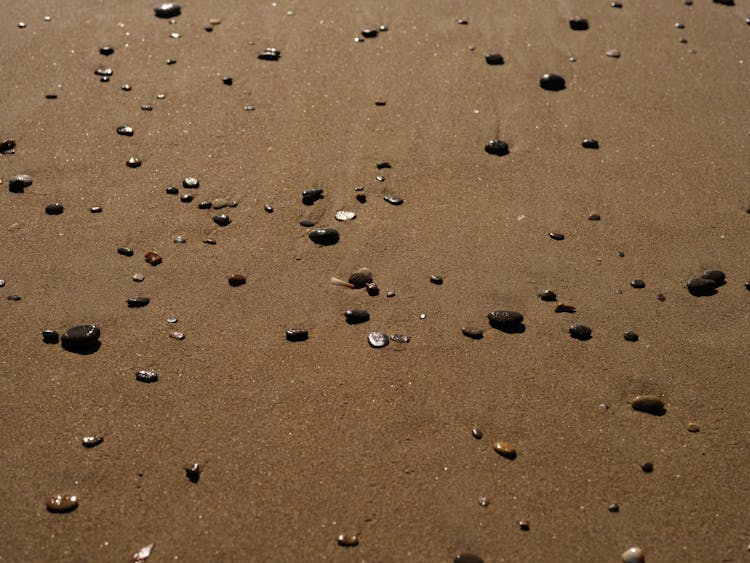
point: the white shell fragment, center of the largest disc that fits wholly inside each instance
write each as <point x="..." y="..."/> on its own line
<point x="345" y="215"/>
<point x="143" y="553"/>
<point x="378" y="339"/>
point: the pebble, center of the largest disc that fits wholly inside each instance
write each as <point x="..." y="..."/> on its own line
<point x="505" y="320"/>
<point x="125" y="130"/>
<point x="716" y="275"/>
<point x="152" y="258"/>
<point x="382" y="164"/>
<point x="595" y="217"/>
<point x="307" y="223"/>
<point x="17" y="184"/>
<point x="106" y="72"/>
<point x="50" y="336"/>
<point x="54" y="209"/>
<point x="346" y="540"/>
<point x="106" y="51"/>
<point x="171" y="320"/>
<point x="614" y="53"/>
<point x="616" y="4"/>
<point x="378" y="339"/>
<point x="13" y="297"/>
<point x="312" y="195"/>
<point x="193" y="472"/>
<point x="62" y="503"/>
<point x="505" y="449"/>
<point x="146" y="376"/>
<point x="548" y="295"/>
<point x="96" y="209"/>
<point x="693" y="427"/>
<point x="270" y="54"/>
<point x="552" y="82"/>
<point x="483" y="502"/>
<point x="563" y="308"/>
<point x="91" y="441"/>
<point x="473" y="332"/>
<point x="369" y="33"/>
<point x="494" y="59"/>
<point x="360" y="278"/>
<point x="579" y="332"/>
<point x="648" y="404"/>
<point x="177" y="335"/>
<point x="191" y="183"/>
<point x="556" y="236"/>
<point x="399" y="338"/>
<point x="524" y="525"/>
<point x="7" y="146"/>
<point x="467" y="558"/>
<point x="631" y="336"/>
<point x="147" y="107"/>
<point x="167" y="10"/>
<point x="222" y="219"/>
<point x="142" y="554"/>
<point x="497" y="147"/>
<point x="172" y="190"/>
<point x="268" y="209"/>
<point x="219" y="203"/>
<point x="477" y="433"/>
<point x="647" y="467"/>
<point x="138" y="301"/>
<point x="325" y="236"/>
<point x="345" y="215"/>
<point x="125" y="87"/>
<point x="393" y="199"/>
<point x="638" y="284"/>
<point x="356" y="316"/>
<point x="81" y="337"/>
<point x="179" y="239"/>
<point x="133" y="162"/>
<point x="633" y="555"/>
<point x="296" y="334"/>
<point x="204" y="205"/>
<point x="590" y="144"/>
<point x="614" y="507"/>
<point x="227" y="80"/>
<point x="125" y="251"/>
<point x="437" y="280"/>
<point x="701" y="287"/>
<point x="236" y="280"/>
<point x="579" y="24"/>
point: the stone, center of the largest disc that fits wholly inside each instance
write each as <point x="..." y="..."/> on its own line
<point x="614" y="507"/>
<point x="633" y="555"/>
<point x="312" y="195"/>
<point x="133" y="162"/>
<point x="436" y="280"/>
<point x="716" y="275"/>
<point x="13" y="297"/>
<point x="7" y="146"/>
<point x="204" y="205"/>
<point x="50" y="336"/>
<point x="556" y="236"/>
<point x="369" y="33"/>
<point x="638" y="284"/>
<point x="125" y="130"/>
<point x="227" y="80"/>
<point x="236" y="280"/>
<point x="268" y="209"/>
<point x="325" y="236"/>
<point x="505" y="449"/>
<point x="477" y="433"/>
<point x="382" y="164"/>
<point x="579" y="24"/>
<point x="497" y="147"/>
<point x="152" y="258"/>
<point x="172" y="190"/>
<point x="399" y="338"/>
<point x="548" y="295"/>
<point x="307" y="223"/>
<point x="125" y="251"/>
<point x="552" y="82"/>
<point x="701" y="287"/>
<point x="96" y="209"/>
<point x="191" y="183"/>
<point x="179" y="239"/>
<point x="106" y="51"/>
<point x="361" y="278"/>
<point x="105" y="72"/>
<point x="346" y="540"/>
<point x="483" y="502"/>
<point x="193" y="472"/>
<point x="524" y="525"/>
<point x="297" y="335"/>
<point x="613" y="53"/>
<point x="219" y="203"/>
<point x="54" y="209"/>
<point x="647" y="467"/>
<point x="222" y="219"/>
<point x="270" y="54"/>
<point x="138" y="277"/>
<point x="177" y="335"/>
<point x="17" y="184"/>
<point x="356" y="316"/>
<point x="473" y="332"/>
<point x="595" y="217"/>
<point x="167" y="10"/>
<point x="507" y="321"/>
<point x="648" y="404"/>
<point x="393" y="199"/>
<point x="146" y="376"/>
<point x="138" y="301"/>
<point x="724" y="2"/>
<point x="345" y="215"/>
<point x="693" y="427"/>
<point x="467" y="558"/>
<point x="631" y="336"/>
<point x="60" y="503"/>
<point x="579" y="332"/>
<point x="378" y="339"/>
<point x="494" y="59"/>
<point x="590" y="144"/>
<point x="81" y="338"/>
<point x="91" y="441"/>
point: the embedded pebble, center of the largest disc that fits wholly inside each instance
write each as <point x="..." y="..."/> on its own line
<point x="633" y="555"/>
<point x="614" y="507"/>
<point x="125" y="251"/>
<point x="524" y="525"/>
<point x="614" y="53"/>
<point x="346" y="540"/>
<point x="324" y="237"/>
<point x="13" y="297"/>
<point x="270" y="54"/>
<point x="91" y="441"/>
<point x="497" y="147"/>
<point x="505" y="320"/>
<point x="50" y="336"/>
<point x="81" y="337"/>
<point x="204" y="205"/>
<point x="222" y="219"/>
<point x="133" y="162"/>
<point x="193" y="472"/>
<point x="191" y="183"/>
<point x="177" y="335"/>
<point x="477" y="433"/>
<point x="505" y="449"/>
<point x="138" y="301"/>
<point x="62" y="503"/>
<point x="548" y="295"/>
<point x="436" y="280"/>
<point x="167" y="10"/>
<point x="296" y="334"/>
<point x="152" y="258"/>
<point x="312" y="195"/>
<point x="399" y="338"/>
<point x="631" y="336"/>
<point x="219" y="203"/>
<point x="361" y="278"/>
<point x="179" y="239"/>
<point x="579" y="24"/>
<point x="236" y="280"/>
<point x="556" y="236"/>
<point x="96" y="209"/>
<point x="590" y="144"/>
<point x="473" y="332"/>
<point x="54" y="209"/>
<point x="345" y="215"/>
<point x="378" y="339"/>
<point x="595" y="217"/>
<point x="106" y="51"/>
<point x="307" y="223"/>
<point x="268" y="208"/>
<point x="701" y="287"/>
<point x="579" y="332"/>
<point x="715" y="275"/>
<point x="552" y="82"/>
<point x="648" y="404"/>
<point x="7" y="146"/>
<point x="382" y="164"/>
<point x="356" y="316"/>
<point x="172" y="190"/>
<point x="393" y="199"/>
<point x="638" y="284"/>
<point x="17" y="184"/>
<point x="146" y="376"/>
<point x="467" y="558"/>
<point x="494" y="59"/>
<point x="483" y="502"/>
<point x="693" y="427"/>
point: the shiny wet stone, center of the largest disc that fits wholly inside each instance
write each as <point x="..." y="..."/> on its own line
<point x="638" y="284"/>
<point x="50" y="336"/>
<point x="312" y="195"/>
<point x="631" y="336"/>
<point x="579" y="24"/>
<point x="91" y="441"/>
<point x="393" y="199"/>
<point x="505" y="449"/>
<point x="556" y="236"/>
<point x="81" y="337"/>
<point x="715" y="275"/>
<point x="7" y="146"/>
<point x="125" y="130"/>
<point x="548" y="295"/>
<point x="167" y="10"/>
<point x="494" y="59"/>
<point x="54" y="209"/>
<point x="297" y="334"/>
<point x="648" y="404"/>
<point x="191" y="183"/>
<point x="378" y="339"/>
<point x="552" y="82"/>
<point x="222" y="219"/>
<point x="60" y="503"/>
<point x="138" y="301"/>
<point x="497" y="147"/>
<point x="580" y="332"/>
<point x="236" y="280"/>
<point x="324" y="236"/>
<point x="590" y="144"/>
<point x="356" y="316"/>
<point x="17" y="184"/>
<point x="193" y="472"/>
<point x="347" y="540"/>
<point x="106" y="51"/>
<point x="472" y="332"/>
<point x="270" y="54"/>
<point x="133" y="162"/>
<point x="506" y="321"/>
<point x="146" y="376"/>
<point x="436" y="280"/>
<point x="701" y="287"/>
<point x="125" y="251"/>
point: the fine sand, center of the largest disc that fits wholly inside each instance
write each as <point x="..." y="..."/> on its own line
<point x="302" y="441"/>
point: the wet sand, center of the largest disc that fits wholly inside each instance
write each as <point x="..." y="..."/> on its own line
<point x="300" y="442"/>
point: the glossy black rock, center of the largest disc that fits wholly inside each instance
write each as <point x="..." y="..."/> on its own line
<point x="146" y="376"/>
<point x="324" y="236"/>
<point x="17" y="184"/>
<point x="473" y="332"/>
<point x="579" y="332"/>
<point x="222" y="219"/>
<point x="494" y="59"/>
<point x="579" y="24"/>
<point x="701" y="287"/>
<point x="167" y="10"/>
<point x="50" y="336"/>
<point x="356" y="316"/>
<point x="590" y="144"/>
<point x="638" y="284"/>
<point x="270" y="54"/>
<point x="91" y="441"/>
<point x="138" y="301"/>
<point x="312" y="195"/>
<point x="630" y="336"/>
<point x="716" y="275"/>
<point x="548" y="295"/>
<point x="552" y="82"/>
<point x="54" y="209"/>
<point x="296" y="334"/>
<point x="507" y="321"/>
<point x="497" y="147"/>
<point x="125" y="130"/>
<point x="125" y="251"/>
<point x="7" y="146"/>
<point x="81" y="338"/>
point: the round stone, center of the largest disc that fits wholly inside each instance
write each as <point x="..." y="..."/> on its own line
<point x="324" y="236"/>
<point x="393" y="199"/>
<point x="125" y="130"/>
<point x="17" y="184"/>
<point x="494" y="59"/>
<point x="138" y="301"/>
<point x="552" y="82"/>
<point x="347" y="540"/>
<point x="96" y="209"/>
<point x="436" y="280"/>
<point x="579" y="24"/>
<point x="702" y="287"/>
<point x="648" y="404"/>
<point x="378" y="339"/>
<point x="297" y="334"/>
<point x="614" y="507"/>
<point x="91" y="441"/>
<point x="172" y="190"/>
<point x="505" y="320"/>
<point x="505" y="449"/>
<point x="579" y="332"/>
<point x="62" y="503"/>
<point x="222" y="219"/>
<point x="716" y="275"/>
<point x="54" y="209"/>
<point x="345" y="215"/>
<point x="125" y="251"/>
<point x="236" y="280"/>
<point x="590" y="144"/>
<point x="219" y="203"/>
<point x="473" y="332"/>
<point x="356" y="316"/>
<point x="152" y="258"/>
<point x="81" y="337"/>
<point x="167" y="10"/>
<point x="638" y="284"/>
<point x="548" y="295"/>
<point x="361" y="278"/>
<point x="477" y="433"/>
<point x="191" y="183"/>
<point x="633" y="555"/>
<point x="497" y="147"/>
<point x="631" y="336"/>
<point x="50" y="336"/>
<point x="146" y="376"/>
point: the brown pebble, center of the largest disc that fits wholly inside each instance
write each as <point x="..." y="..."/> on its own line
<point x="524" y="525"/>
<point x="648" y="404"/>
<point x="693" y="427"/>
<point x="236" y="280"/>
<point x="62" y="503"/>
<point x="505" y="449"/>
<point x="153" y="258"/>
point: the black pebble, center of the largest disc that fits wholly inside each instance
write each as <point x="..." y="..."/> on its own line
<point x="103" y="72"/>
<point x="507" y="321"/>
<point x="204" y="205"/>
<point x="716" y="275"/>
<point x="106" y="51"/>
<point x="270" y="54"/>
<point x="296" y="335"/>
<point x="548" y="295"/>
<point x="267" y="207"/>
<point x="356" y="316"/>
<point x="614" y="507"/>
<point x="724" y="2"/>
<point x="138" y="301"/>
<point x="147" y="107"/>
<point x="193" y="473"/>
<point x="92" y="441"/>
<point x="14" y="297"/>
<point x="227" y="80"/>
<point x="631" y="336"/>
<point x="556" y="236"/>
<point x="125" y="130"/>
<point x="616" y="4"/>
<point x="186" y="198"/>
<point x="222" y="219"/>
<point x="580" y="332"/>
<point x="133" y="162"/>
<point x="437" y="280"/>
<point x="552" y="82"/>
<point x="81" y="338"/>
<point x="125" y="251"/>
<point x="494" y="59"/>
<point x="595" y="217"/>
<point x="393" y="199"/>
<point x="147" y="376"/>
<point x="7" y="146"/>
<point x="497" y="147"/>
<point x="579" y="24"/>
<point x="312" y="195"/>
<point x="467" y="558"/>
<point x="638" y="284"/>
<point x="369" y="33"/>
<point x="191" y="183"/>
<point x="325" y="236"/>
<point x="701" y="287"/>
<point x="382" y="164"/>
<point x="50" y="336"/>
<point x="307" y="223"/>
<point x="473" y="332"/>
<point x="17" y="184"/>
<point x="647" y="467"/>
<point x="167" y="10"/>
<point x="590" y="144"/>
<point x="54" y="209"/>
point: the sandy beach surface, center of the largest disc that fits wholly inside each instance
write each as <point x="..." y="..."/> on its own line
<point x="298" y="443"/>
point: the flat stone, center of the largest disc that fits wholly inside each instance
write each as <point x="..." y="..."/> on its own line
<point x="552" y="82"/>
<point x="648" y="404"/>
<point x="50" y="336"/>
<point x="701" y="287"/>
<point x="222" y="219"/>
<point x="54" y="209"/>
<point x="18" y="183"/>
<point x="297" y="334"/>
<point x="497" y="147"/>
<point x="60" y="503"/>
<point x="324" y="236"/>
<point x="399" y="338"/>
<point x="356" y="316"/>
<point x="236" y="280"/>
<point x="138" y="277"/>
<point x="393" y="199"/>
<point x="270" y="54"/>
<point x="579" y="24"/>
<point x="138" y="301"/>
<point x="473" y="332"/>
<point x="125" y="251"/>
<point x="345" y="215"/>
<point x="505" y="449"/>
<point x="125" y="130"/>
<point x="152" y="258"/>
<point x="693" y="427"/>
<point x="613" y="53"/>
<point x="167" y="10"/>
<point x="590" y="144"/>
<point x="494" y="59"/>
<point x="91" y="441"/>
<point x="81" y="337"/>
